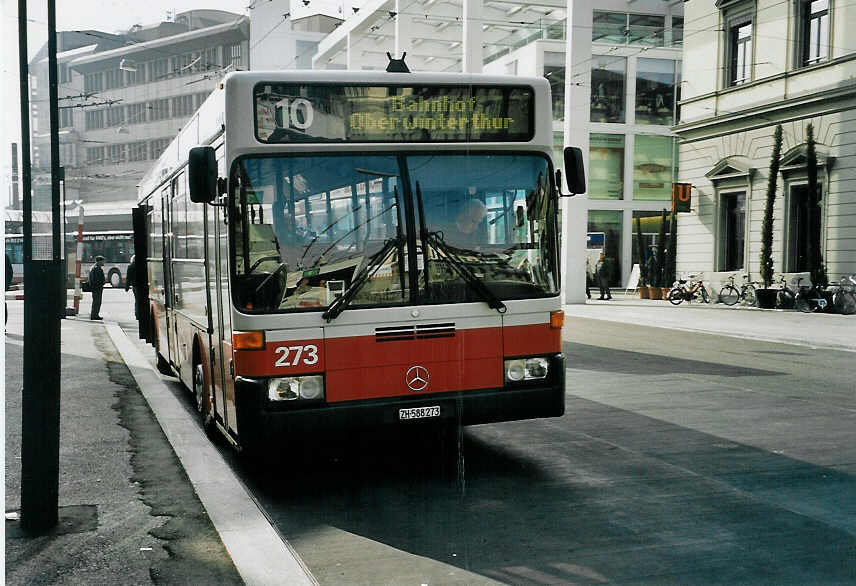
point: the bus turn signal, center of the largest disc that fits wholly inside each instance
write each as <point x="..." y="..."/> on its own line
<point x="557" y="319"/>
<point x="248" y="340"/>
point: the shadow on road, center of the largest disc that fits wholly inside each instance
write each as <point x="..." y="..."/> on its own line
<point x="549" y="502"/>
<point x="600" y="359"/>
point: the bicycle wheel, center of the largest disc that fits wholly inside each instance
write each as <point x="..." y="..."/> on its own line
<point x="749" y="295"/>
<point x="729" y="295"/>
<point x="785" y="299"/>
<point x="676" y="296"/>
<point x="704" y="295"/>
<point x="844" y="302"/>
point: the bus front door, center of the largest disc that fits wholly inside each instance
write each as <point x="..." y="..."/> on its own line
<point x="217" y="259"/>
<point x="169" y="351"/>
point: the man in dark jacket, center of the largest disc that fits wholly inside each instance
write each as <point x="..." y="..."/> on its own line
<point x="602" y="273"/>
<point x="131" y="281"/>
<point x="96" y="284"/>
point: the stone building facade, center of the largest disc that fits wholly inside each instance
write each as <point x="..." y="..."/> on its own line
<point x="748" y="66"/>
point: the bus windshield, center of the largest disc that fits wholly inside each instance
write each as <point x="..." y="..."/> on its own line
<point x="400" y="228"/>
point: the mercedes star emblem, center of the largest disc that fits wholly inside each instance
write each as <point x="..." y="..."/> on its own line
<point x="416" y="378"/>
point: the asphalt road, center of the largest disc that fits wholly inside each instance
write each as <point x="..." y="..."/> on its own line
<point x="683" y="458"/>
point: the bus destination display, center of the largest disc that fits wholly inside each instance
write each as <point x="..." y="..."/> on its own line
<point x="294" y="113"/>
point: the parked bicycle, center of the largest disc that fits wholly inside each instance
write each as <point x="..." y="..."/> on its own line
<point x="844" y="295"/>
<point x="810" y="299"/>
<point x="688" y="290"/>
<point x="786" y="296"/>
<point x="730" y="294"/>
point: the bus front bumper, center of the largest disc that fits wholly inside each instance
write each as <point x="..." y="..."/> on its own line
<point x="258" y="417"/>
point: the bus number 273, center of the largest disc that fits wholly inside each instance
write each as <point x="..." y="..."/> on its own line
<point x="308" y="353"/>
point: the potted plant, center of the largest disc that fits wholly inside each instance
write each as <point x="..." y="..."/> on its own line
<point x="643" y="266"/>
<point x="766" y="297"/>
<point x="818" y="275"/>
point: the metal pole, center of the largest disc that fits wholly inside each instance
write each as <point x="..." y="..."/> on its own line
<point x="77" y="259"/>
<point x="41" y="396"/>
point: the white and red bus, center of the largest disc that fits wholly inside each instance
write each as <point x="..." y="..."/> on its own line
<point x="331" y="250"/>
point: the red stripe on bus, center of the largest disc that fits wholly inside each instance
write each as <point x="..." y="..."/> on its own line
<point x="361" y="351"/>
<point x="360" y="367"/>
<point x="281" y="359"/>
<point x="532" y="339"/>
<point x="391" y="381"/>
<point x="363" y="368"/>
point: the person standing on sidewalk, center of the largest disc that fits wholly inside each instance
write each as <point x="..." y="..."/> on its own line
<point x="96" y="285"/>
<point x="131" y="281"/>
<point x="602" y="275"/>
<point x="588" y="278"/>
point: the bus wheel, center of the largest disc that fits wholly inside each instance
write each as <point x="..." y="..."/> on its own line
<point x="203" y="407"/>
<point x="115" y="278"/>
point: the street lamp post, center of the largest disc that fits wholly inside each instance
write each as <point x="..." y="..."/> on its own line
<point x="41" y="392"/>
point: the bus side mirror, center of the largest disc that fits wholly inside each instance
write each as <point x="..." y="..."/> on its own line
<point x="202" y="174"/>
<point x="575" y="173"/>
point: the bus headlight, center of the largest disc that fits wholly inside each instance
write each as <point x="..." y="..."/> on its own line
<point x="524" y="369"/>
<point x="293" y="388"/>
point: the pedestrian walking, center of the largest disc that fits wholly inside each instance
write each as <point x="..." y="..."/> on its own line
<point x="602" y="275"/>
<point x="131" y="281"/>
<point x="588" y="278"/>
<point x="96" y="286"/>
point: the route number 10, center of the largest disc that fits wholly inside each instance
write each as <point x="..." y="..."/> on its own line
<point x="294" y="114"/>
<point x="308" y="353"/>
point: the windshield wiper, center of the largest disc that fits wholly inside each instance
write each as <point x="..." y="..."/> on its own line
<point x="435" y="240"/>
<point x="370" y="268"/>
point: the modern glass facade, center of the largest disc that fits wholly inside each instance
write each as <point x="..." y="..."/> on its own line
<point x="655" y="91"/>
<point x="632" y="152"/>
<point x="653" y="167"/>
<point x="606" y="166"/>
<point x="605" y="234"/>
<point x="607" y="88"/>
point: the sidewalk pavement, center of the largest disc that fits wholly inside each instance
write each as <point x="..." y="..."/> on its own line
<point x="127" y="512"/>
<point x="826" y="330"/>
<point x="144" y="495"/>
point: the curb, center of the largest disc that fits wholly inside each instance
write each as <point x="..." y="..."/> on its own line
<point x="260" y="554"/>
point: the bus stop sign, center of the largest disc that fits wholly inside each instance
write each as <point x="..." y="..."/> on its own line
<point x="681" y="196"/>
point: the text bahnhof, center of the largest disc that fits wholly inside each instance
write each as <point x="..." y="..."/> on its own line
<point x="432" y="116"/>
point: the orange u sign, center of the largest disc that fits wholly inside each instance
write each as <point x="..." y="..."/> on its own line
<point x="681" y="196"/>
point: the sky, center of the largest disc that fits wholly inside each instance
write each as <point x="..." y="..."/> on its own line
<point x="113" y="16"/>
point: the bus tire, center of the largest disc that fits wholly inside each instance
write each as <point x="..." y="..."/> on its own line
<point x="114" y="277"/>
<point x="200" y="395"/>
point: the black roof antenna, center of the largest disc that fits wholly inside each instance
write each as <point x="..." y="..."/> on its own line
<point x="397" y="65"/>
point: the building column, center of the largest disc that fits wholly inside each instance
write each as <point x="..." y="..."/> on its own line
<point x="403" y="30"/>
<point x="472" y="36"/>
<point x="577" y="110"/>
<point x="353" y="55"/>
